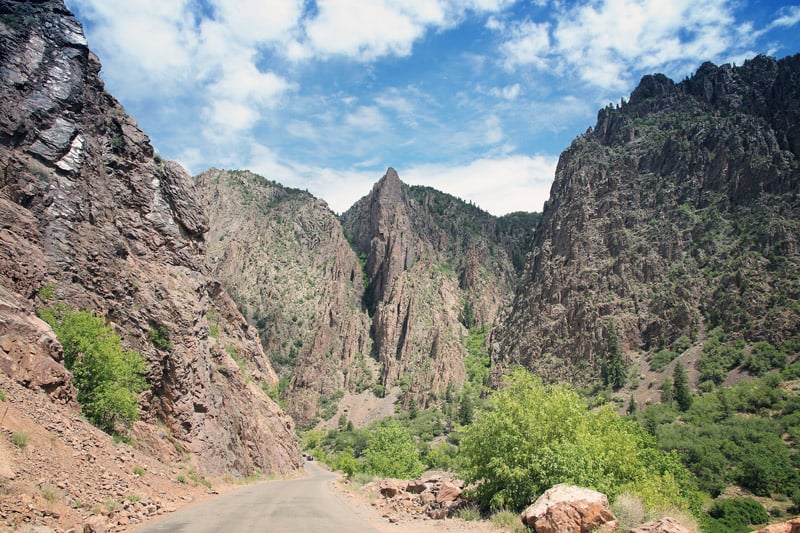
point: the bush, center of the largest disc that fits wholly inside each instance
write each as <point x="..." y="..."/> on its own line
<point x="107" y="377"/>
<point x="736" y="514"/>
<point x="21" y="439"/>
<point x="532" y="436"/>
<point x="391" y="452"/>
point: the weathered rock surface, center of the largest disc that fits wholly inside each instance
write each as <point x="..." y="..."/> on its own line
<point x="88" y="212"/>
<point x="791" y="526"/>
<point x="435" y="495"/>
<point x="430" y="265"/>
<point x="663" y="525"/>
<point x="569" y="509"/>
<point x="675" y="214"/>
<point x="436" y="266"/>
<point x="283" y="257"/>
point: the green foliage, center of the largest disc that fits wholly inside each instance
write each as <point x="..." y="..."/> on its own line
<point x="614" y="368"/>
<point x="47" y="292"/>
<point x="661" y="359"/>
<point x="391" y="452"/>
<point x="2" y="396"/>
<point x="532" y="436"/>
<point x="683" y="396"/>
<point x="762" y="358"/>
<point x="20" y="439"/>
<point x="476" y="363"/>
<point x="138" y="471"/>
<point x="719" y="357"/>
<point x="735" y="436"/>
<point x="159" y="336"/>
<point x="107" y="377"/>
<point x="735" y="515"/>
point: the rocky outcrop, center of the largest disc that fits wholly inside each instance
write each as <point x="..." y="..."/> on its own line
<point x="283" y="257"/>
<point x="674" y="215"/>
<point x="92" y="216"/>
<point x="436" y="266"/>
<point x="569" y="509"/>
<point x="791" y="526"/>
<point x="436" y="495"/>
<point x="663" y="525"/>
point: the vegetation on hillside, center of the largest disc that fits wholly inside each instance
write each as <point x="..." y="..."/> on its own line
<point x="108" y="378"/>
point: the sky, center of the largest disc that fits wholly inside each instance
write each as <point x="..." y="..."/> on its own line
<point x="476" y="98"/>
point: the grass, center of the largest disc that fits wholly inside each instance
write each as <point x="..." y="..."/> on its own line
<point x="509" y="521"/>
<point x="2" y="396"/>
<point x="21" y="439"/>
<point x="181" y="479"/>
<point x="133" y="498"/>
<point x="50" y="493"/>
<point x="139" y="471"/>
<point x="469" y="514"/>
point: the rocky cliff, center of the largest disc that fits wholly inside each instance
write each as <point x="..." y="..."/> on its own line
<point x="676" y="214"/>
<point x="283" y="256"/>
<point x="436" y="266"/>
<point x="388" y="305"/>
<point x="92" y="215"/>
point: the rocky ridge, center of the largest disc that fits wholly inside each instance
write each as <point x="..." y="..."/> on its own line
<point x="94" y="219"/>
<point x="381" y="297"/>
<point x="676" y="214"/>
<point x="283" y="256"/>
<point x="436" y="267"/>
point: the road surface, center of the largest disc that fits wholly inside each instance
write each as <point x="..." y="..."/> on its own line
<point x="305" y="505"/>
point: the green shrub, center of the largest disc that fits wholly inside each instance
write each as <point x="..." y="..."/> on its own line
<point x="21" y="439"/>
<point x="469" y="514"/>
<point x="139" y="471"/>
<point x="661" y="359"/>
<point x="391" y="452"/>
<point x="159" y="336"/>
<point x="47" y="292"/>
<point x="532" y="436"/>
<point x="2" y="396"/>
<point x="107" y="377"/>
<point x="736" y="514"/>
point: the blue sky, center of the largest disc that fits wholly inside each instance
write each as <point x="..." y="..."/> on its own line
<point x="474" y="97"/>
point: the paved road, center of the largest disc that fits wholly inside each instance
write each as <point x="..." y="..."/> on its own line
<point x="298" y="506"/>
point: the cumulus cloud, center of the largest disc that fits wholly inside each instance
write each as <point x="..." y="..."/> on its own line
<point x="602" y="42"/>
<point x="498" y="185"/>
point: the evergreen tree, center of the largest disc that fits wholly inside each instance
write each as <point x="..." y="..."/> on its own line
<point x="632" y="407"/>
<point x="667" y="392"/>
<point x="683" y="396"/>
<point x="465" y="410"/>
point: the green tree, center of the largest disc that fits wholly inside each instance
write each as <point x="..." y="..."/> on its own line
<point x="683" y="396"/>
<point x="632" y="407"/>
<point x="391" y="452"/>
<point x="667" y="392"/>
<point x="532" y="436"/>
<point x="614" y="369"/>
<point x="107" y="377"/>
<point x="465" y="410"/>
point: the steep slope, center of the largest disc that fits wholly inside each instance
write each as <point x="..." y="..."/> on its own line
<point x="92" y="215"/>
<point x="436" y="266"/>
<point x="678" y="213"/>
<point x="284" y="258"/>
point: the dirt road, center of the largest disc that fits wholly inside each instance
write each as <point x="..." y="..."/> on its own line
<point x="305" y="505"/>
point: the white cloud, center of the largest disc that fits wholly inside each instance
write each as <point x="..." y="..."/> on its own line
<point x="258" y="21"/>
<point x="500" y="186"/>
<point x="493" y="130"/>
<point x="509" y="92"/>
<point x="603" y="42"/>
<point x="789" y="16"/>
<point x="366" y="118"/>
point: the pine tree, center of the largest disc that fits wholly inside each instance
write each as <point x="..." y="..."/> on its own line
<point x="632" y="407"/>
<point x="667" y="391"/>
<point x="683" y="396"/>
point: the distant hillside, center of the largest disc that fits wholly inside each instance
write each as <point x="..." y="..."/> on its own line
<point x="383" y="299"/>
<point x="676" y="215"/>
<point x="283" y="256"/>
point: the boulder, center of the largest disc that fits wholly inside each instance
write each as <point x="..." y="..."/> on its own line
<point x="389" y="488"/>
<point x="449" y="492"/>
<point x="664" y="525"/>
<point x="792" y="526"/>
<point x="569" y="509"/>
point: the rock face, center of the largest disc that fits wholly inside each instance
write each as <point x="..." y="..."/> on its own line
<point x="436" y="266"/>
<point x="283" y="257"/>
<point x="677" y="213"/>
<point x="390" y="306"/>
<point x="792" y="526"/>
<point x="569" y="509"/>
<point x="89" y="213"/>
<point x="664" y="525"/>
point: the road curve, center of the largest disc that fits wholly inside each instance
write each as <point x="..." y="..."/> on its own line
<point x="305" y="505"/>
